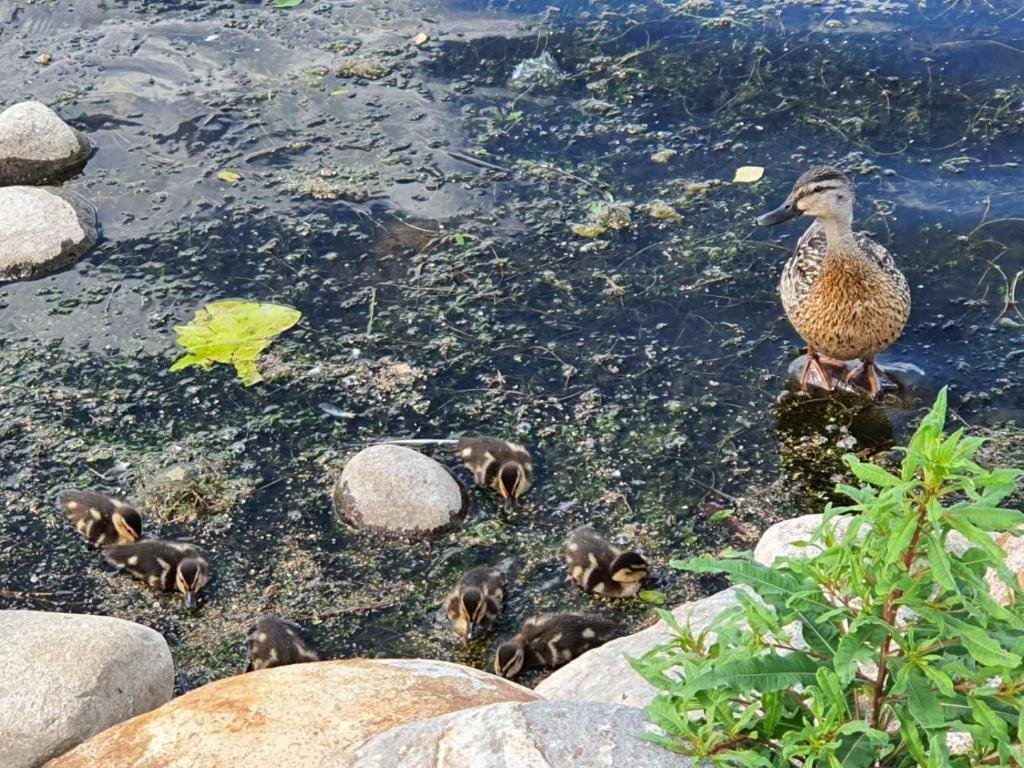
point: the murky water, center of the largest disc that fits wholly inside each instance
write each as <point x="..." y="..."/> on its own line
<point x="422" y="222"/>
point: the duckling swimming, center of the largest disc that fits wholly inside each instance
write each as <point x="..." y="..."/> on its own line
<point x="274" y="642"/>
<point x="597" y="566"/>
<point x="500" y="465"/>
<point x="503" y="466"/>
<point x="552" y="639"/>
<point x="841" y="291"/>
<point x="166" y="565"/>
<point x="476" y="601"/>
<point x="101" y="519"/>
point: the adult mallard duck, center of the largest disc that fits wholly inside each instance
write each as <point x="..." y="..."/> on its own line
<point x="841" y="290"/>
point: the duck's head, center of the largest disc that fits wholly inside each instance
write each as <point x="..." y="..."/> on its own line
<point x="628" y="568"/>
<point x="513" y="480"/>
<point x="128" y="524"/>
<point x="193" y="574"/>
<point x="470" y="611"/>
<point x="823" y="192"/>
<point x="508" y="660"/>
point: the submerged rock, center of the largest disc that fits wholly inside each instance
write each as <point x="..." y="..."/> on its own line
<point x="309" y="715"/>
<point x="65" y="677"/>
<point x="552" y="734"/>
<point x="42" y="229"/>
<point x="36" y="145"/>
<point x="396" y="489"/>
<point x="604" y="674"/>
<point x="906" y="374"/>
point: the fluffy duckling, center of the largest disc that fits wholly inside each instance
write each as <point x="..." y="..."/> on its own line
<point x="476" y="601"/>
<point x="101" y="519"/>
<point x="274" y="642"/>
<point x="500" y="465"/>
<point x="552" y="639"/>
<point x="841" y="291"/>
<point x="166" y="565"/>
<point x="597" y="566"/>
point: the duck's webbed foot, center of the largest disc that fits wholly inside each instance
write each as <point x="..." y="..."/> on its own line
<point x="869" y="376"/>
<point x="819" y="372"/>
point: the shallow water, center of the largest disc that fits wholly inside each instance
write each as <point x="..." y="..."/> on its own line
<point x="422" y="223"/>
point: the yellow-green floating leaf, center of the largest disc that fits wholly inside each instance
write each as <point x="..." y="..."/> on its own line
<point x="748" y="174"/>
<point x="234" y="332"/>
<point x="231" y="177"/>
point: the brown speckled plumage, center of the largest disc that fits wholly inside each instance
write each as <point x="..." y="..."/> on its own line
<point x="274" y="642"/>
<point x="841" y="291"/>
<point x="476" y="601"/>
<point x="596" y="565"/>
<point x="551" y="640"/>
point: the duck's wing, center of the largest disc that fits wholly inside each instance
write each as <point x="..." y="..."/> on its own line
<point x="881" y="256"/>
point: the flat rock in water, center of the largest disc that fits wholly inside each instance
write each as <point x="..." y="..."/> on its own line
<point x="42" y="229"/>
<point x="540" y="734"/>
<point x="65" y="677"/>
<point x="36" y="145"/>
<point x="604" y="675"/>
<point x="303" y="715"/>
<point x="396" y="489"/>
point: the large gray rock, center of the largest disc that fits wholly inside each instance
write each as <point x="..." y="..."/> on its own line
<point x="36" y="145"/>
<point x="603" y="674"/>
<point x="396" y="489"/>
<point x="65" y="677"/>
<point x="541" y="734"/>
<point x="42" y="229"/>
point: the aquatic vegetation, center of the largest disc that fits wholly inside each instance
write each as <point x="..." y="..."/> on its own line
<point x="897" y="640"/>
<point x="234" y="332"/>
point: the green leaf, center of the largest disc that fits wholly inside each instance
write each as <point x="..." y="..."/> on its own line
<point x="993" y="724"/>
<point x="774" y="585"/>
<point x="652" y="596"/>
<point x="923" y="703"/>
<point x="861" y="746"/>
<point x="234" y="332"/>
<point x="986" y="518"/>
<point x="870" y="473"/>
<point x="982" y="647"/>
<point x="763" y="673"/>
<point x="287" y="3"/>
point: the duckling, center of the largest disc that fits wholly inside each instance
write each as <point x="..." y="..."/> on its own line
<point x="476" y="601"/>
<point x="841" y="291"/>
<point x="501" y="465"/>
<point x="552" y="639"/>
<point x="597" y="566"/>
<point x="166" y="565"/>
<point x="101" y="519"/>
<point x="274" y="642"/>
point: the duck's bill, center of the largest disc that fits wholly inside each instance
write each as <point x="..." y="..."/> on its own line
<point x="784" y="212"/>
<point x="191" y="600"/>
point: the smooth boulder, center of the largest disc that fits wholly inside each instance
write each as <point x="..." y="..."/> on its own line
<point x="37" y="146"/>
<point x="65" y="677"/>
<point x="604" y="674"/>
<point x="309" y="715"/>
<point x="540" y="734"/>
<point x="42" y="229"/>
<point x="396" y="489"/>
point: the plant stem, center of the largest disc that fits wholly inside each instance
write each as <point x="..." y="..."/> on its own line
<point x="890" y="609"/>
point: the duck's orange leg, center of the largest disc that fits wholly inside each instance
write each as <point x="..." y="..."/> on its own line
<point x="815" y="365"/>
<point x="875" y="380"/>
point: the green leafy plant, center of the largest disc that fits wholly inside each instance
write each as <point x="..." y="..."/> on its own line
<point x="874" y="647"/>
<point x="233" y="331"/>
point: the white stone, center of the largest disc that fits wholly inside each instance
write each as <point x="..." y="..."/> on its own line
<point x="65" y="677"/>
<point x="396" y="489"/>
<point x="42" y="229"/>
<point x="604" y="674"/>
<point x="541" y="734"/>
<point x="36" y="145"/>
